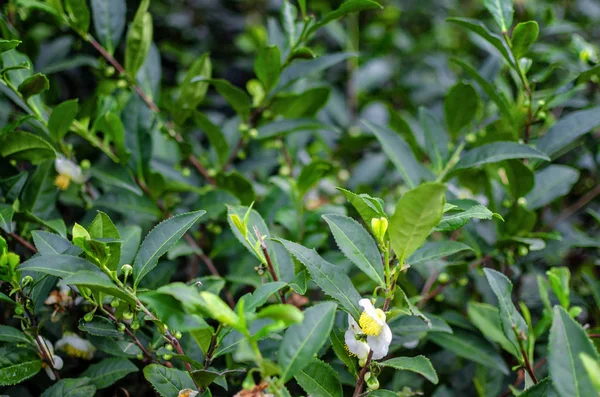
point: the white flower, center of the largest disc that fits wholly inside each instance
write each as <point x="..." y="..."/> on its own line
<point x="187" y="393"/>
<point x="76" y="346"/>
<point x="372" y="324"/>
<point x="67" y="171"/>
<point x="57" y="362"/>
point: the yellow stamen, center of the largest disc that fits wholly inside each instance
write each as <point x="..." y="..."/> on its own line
<point x="348" y="350"/>
<point x="369" y="325"/>
<point x="62" y="181"/>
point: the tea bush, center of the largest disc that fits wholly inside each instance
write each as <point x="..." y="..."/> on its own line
<point x="289" y="198"/>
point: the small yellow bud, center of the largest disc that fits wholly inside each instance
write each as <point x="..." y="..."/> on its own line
<point x="253" y="133"/>
<point x="379" y="226"/>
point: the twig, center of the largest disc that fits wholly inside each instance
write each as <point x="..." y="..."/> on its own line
<point x="361" y="376"/>
<point x="528" y="367"/>
<point x="23" y="242"/>
<point x="270" y="267"/>
<point x="521" y="377"/>
<point x="131" y="335"/>
<point x="567" y="212"/>
<point x="594" y="336"/>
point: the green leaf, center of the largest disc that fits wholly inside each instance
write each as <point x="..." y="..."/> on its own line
<point x="289" y="14"/>
<point x="168" y="381"/>
<point x="512" y="322"/>
<point x="559" y="278"/>
<point x="287" y="126"/>
<point x="79" y="14"/>
<point x="460" y="107"/>
<point x="523" y="36"/>
<point x="61" y="118"/>
<point x="237" y="184"/>
<point x="71" y="388"/>
<point x="418" y="364"/>
<point x="487" y="319"/>
<point x="34" y="85"/>
<point x="495" y="95"/>
<point x="568" y="129"/>
<point x="542" y="389"/>
<point x="305" y="68"/>
<point x="319" y="379"/>
<point x="7" y="45"/>
<point x="471" y="347"/>
<point x="237" y="98"/>
<point x="99" y="326"/>
<point x="109" y="21"/>
<point x="305" y="104"/>
<point x="58" y="265"/>
<point x="100" y="282"/>
<point x="6" y="215"/>
<point x="159" y="240"/>
<point x="436" y="138"/>
<point x="13" y="335"/>
<point x="338" y="345"/>
<point x="551" y="183"/>
<point x="21" y="145"/>
<point x="192" y="93"/>
<point x="328" y="277"/>
<point x="347" y="7"/>
<point x="502" y="11"/>
<point x="139" y="39"/>
<point x="302" y="341"/>
<point x="261" y="294"/>
<point x="113" y="175"/>
<point x="311" y="174"/>
<point x="215" y="136"/>
<point x="498" y="151"/>
<point x="17" y="365"/>
<point x="267" y="67"/>
<point x="567" y="342"/>
<point x="109" y="371"/>
<point x="368" y="207"/>
<point x="399" y="153"/>
<point x="114" y="132"/>
<point x="481" y="30"/>
<point x="382" y="393"/>
<point x="357" y="245"/>
<point x="436" y="250"/>
<point x="457" y="219"/>
<point x="417" y="212"/>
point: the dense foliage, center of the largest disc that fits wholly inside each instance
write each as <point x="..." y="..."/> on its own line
<point x="311" y="197"/>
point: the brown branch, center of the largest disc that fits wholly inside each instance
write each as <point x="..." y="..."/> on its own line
<point x="521" y="377"/>
<point x="270" y="267"/>
<point x="567" y="212"/>
<point x="594" y="336"/>
<point x="528" y="367"/>
<point x="23" y="242"/>
<point x="361" y="376"/>
<point x="135" y="339"/>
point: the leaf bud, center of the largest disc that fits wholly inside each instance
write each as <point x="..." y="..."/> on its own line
<point x="25" y="281"/>
<point x="88" y="317"/>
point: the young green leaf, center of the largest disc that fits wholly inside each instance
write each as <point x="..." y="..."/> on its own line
<point x="34" y="85"/>
<point x="498" y="151"/>
<point x="267" y="67"/>
<point x="7" y="45"/>
<point x="486" y="318"/>
<point x="289" y="14"/>
<point x="559" y="278"/>
<point x="399" y="153"/>
<point x="159" y="240"/>
<point x="417" y="212"/>
<point x="358" y="245"/>
<point x="327" y="276"/>
<point x="21" y="145"/>
<point x="192" y="93"/>
<point x="302" y="341"/>
<point x="79" y="14"/>
<point x="347" y="7"/>
<point x="237" y="98"/>
<point x="109" y="21"/>
<point x="139" y="39"/>
<point x="108" y="371"/>
<point x="567" y="342"/>
<point x="513" y="324"/>
<point x="502" y="11"/>
<point x="460" y="107"/>
<point x="523" y="36"/>
<point x="61" y="118"/>
<point x="287" y="126"/>
<point x="98" y="282"/>
<point x="368" y="207"/>
<point x="168" y="381"/>
<point x="319" y="379"/>
<point x="481" y="30"/>
<point x="418" y="364"/>
<point x="6" y="215"/>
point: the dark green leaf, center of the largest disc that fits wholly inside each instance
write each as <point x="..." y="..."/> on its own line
<point x="436" y="250"/>
<point x="100" y="282"/>
<point x="347" y="7"/>
<point x="168" y="381"/>
<point x="139" y="39"/>
<point x="460" y="107"/>
<point x="418" y="364"/>
<point x="109" y="21"/>
<point x="99" y="326"/>
<point x="523" y="36"/>
<point x="305" y="68"/>
<point x="238" y="99"/>
<point x="551" y="183"/>
<point x="17" y="365"/>
<point x="487" y="319"/>
<point x="481" y="30"/>
<point x="6" y="215"/>
<point x="436" y="138"/>
<point x="457" y="219"/>
<point x="267" y="67"/>
<point x="21" y="145"/>
<point x="58" y="265"/>
<point x="71" y="388"/>
<point x="13" y="335"/>
<point x="79" y="14"/>
<point x="302" y="341"/>
<point x="34" y="85"/>
<point x="498" y="151"/>
<point x="286" y="126"/>
<point x="61" y="118"/>
<point x="215" y="136"/>
<point x="6" y="45"/>
<point x="319" y="379"/>
<point x="192" y="92"/>
<point x="108" y="371"/>
<point x="159" y="240"/>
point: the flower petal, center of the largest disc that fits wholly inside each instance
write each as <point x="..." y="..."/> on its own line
<point x="380" y="344"/>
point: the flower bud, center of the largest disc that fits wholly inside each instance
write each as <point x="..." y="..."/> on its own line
<point x="253" y="133"/>
<point x="243" y="127"/>
<point x="443" y="278"/>
<point x="372" y="381"/>
<point x="85" y="164"/>
<point x="88" y="317"/>
<point x="169" y="347"/>
<point x="178" y="335"/>
<point x="167" y="357"/>
<point x="379" y="227"/>
<point x="135" y="325"/>
<point x="523" y="250"/>
<point x="463" y="281"/>
<point x="121" y="327"/>
<point x="128" y="315"/>
<point x="186" y="172"/>
<point x="122" y="83"/>
<point x="19" y="310"/>
<point x="126" y="270"/>
<point x="362" y="362"/>
<point x="140" y="356"/>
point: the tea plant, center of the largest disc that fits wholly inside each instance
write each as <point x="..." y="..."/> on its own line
<point x="326" y="199"/>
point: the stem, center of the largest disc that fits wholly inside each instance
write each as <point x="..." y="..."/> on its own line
<point x="212" y="347"/>
<point x="361" y="376"/>
<point x="147" y="354"/>
<point x="23" y="242"/>
<point x="270" y="267"/>
<point x="526" y="362"/>
<point x="452" y="162"/>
